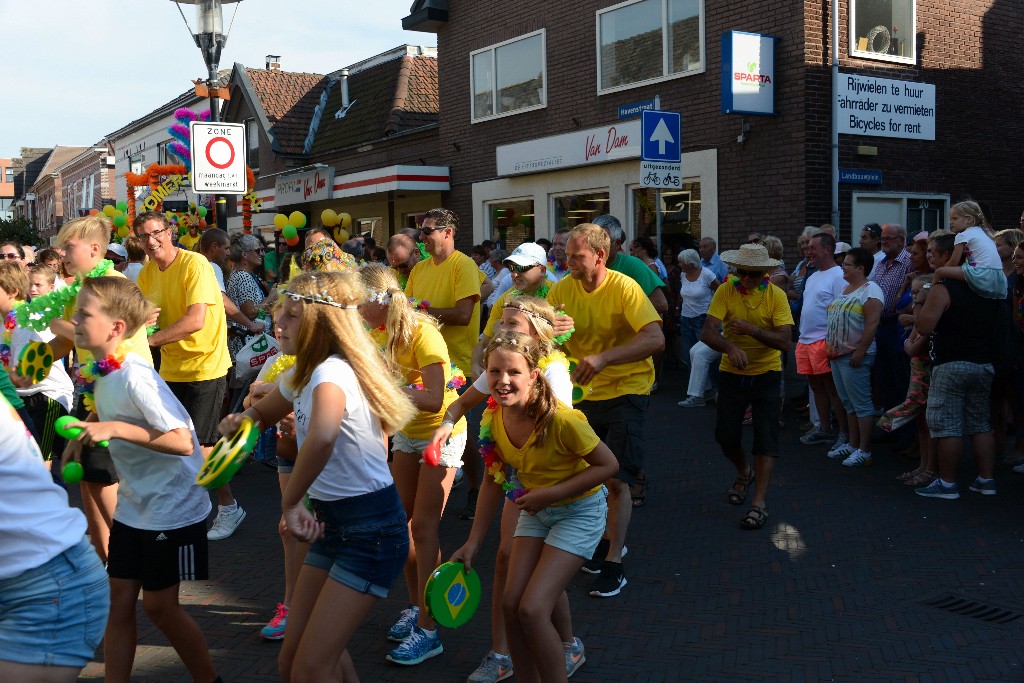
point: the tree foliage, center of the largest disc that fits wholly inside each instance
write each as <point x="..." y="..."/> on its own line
<point x="19" y="230"/>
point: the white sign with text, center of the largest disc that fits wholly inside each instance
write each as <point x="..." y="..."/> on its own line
<point x="218" y="157"/>
<point x="579" y="148"/>
<point x="885" y="107"/>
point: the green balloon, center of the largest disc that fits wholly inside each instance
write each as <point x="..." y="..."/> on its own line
<point x="201" y="211"/>
<point x="120" y="220"/>
<point x="122" y="206"/>
<point x="289" y="232"/>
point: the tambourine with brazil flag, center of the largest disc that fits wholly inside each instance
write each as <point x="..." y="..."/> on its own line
<point x="452" y="594"/>
<point x="228" y="456"/>
<point x="35" y="361"/>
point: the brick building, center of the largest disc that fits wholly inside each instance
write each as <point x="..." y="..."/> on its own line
<point x="45" y="197"/>
<point x="532" y="132"/>
<point x="6" y="188"/>
<point x="87" y="181"/>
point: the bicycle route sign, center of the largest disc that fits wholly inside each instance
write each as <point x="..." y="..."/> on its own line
<point x="661" y="150"/>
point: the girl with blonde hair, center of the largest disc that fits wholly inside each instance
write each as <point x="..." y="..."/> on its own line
<point x="346" y="402"/>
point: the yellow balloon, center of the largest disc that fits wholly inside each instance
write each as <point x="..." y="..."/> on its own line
<point x="340" y="235"/>
<point x="298" y="219"/>
<point x="329" y="218"/>
<point x="109" y="211"/>
<point x="122" y="232"/>
<point x="345" y="220"/>
<point x="280" y="220"/>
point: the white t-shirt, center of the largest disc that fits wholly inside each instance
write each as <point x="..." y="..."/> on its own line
<point x="359" y="462"/>
<point x="36" y="523"/>
<point x="980" y="249"/>
<point x="219" y="274"/>
<point x="57" y="384"/>
<point x="696" y="295"/>
<point x="157" y="491"/>
<point x="879" y="256"/>
<point x="501" y="285"/>
<point x="557" y="376"/>
<point x="820" y="288"/>
<point x="132" y="270"/>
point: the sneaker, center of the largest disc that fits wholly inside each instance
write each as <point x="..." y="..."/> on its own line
<point x="858" y="458"/>
<point x="469" y="512"/>
<point x="574" y="657"/>
<point x="225" y="523"/>
<point x="711" y="396"/>
<point x="494" y="668"/>
<point x="610" y="582"/>
<point x="937" y="489"/>
<point x="594" y="564"/>
<point x="403" y="627"/>
<point x="418" y="647"/>
<point x="274" y="630"/>
<point x="693" y="402"/>
<point x="817" y="436"/>
<point x="985" y="488"/>
<point x="1019" y="469"/>
<point x="841" y="447"/>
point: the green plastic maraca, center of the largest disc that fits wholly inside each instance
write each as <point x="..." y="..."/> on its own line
<point x="72" y="473"/>
<point x="61" y="427"/>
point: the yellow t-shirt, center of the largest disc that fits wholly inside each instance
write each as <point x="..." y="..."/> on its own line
<point x="427" y="348"/>
<point x="189" y="280"/>
<point x="772" y="311"/>
<point x="443" y="285"/>
<point x="609" y="316"/>
<point x="189" y="242"/>
<point x="138" y="343"/>
<point x="568" y="440"/>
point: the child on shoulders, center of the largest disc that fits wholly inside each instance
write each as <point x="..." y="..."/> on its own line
<point x="982" y="268"/>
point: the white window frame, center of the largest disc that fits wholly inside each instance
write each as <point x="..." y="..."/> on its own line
<point x="665" y="57"/>
<point x="852" y="39"/>
<point x="493" y="49"/>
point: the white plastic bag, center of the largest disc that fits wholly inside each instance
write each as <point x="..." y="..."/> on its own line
<point x="257" y="351"/>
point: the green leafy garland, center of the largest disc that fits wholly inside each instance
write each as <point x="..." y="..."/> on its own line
<point x="542" y="293"/>
<point x="37" y="314"/>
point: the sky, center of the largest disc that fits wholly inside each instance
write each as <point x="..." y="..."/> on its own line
<point x="76" y="70"/>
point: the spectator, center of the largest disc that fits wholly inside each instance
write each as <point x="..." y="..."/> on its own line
<point x="850" y="341"/>
<point x="1006" y="242"/>
<point x="502" y="278"/>
<point x="975" y="259"/>
<point x="697" y="286"/>
<point x="243" y="289"/>
<point x="12" y="251"/>
<point x="543" y="242"/>
<point x="892" y="367"/>
<point x="479" y="256"/>
<point x="403" y="255"/>
<point x="214" y="245"/>
<point x="777" y="277"/>
<point x="643" y="248"/>
<point x="117" y="255"/>
<point x="136" y="257"/>
<point x="557" y="267"/>
<point x="802" y="271"/>
<point x="710" y="259"/>
<point x="871" y="239"/>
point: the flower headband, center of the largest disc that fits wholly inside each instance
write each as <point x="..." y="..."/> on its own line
<point x="381" y="297"/>
<point x="532" y="314"/>
<point x="318" y="298"/>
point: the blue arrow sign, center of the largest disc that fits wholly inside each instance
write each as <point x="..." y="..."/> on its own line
<point x="661" y="139"/>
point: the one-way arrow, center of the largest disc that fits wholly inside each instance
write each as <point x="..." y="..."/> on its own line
<point x="661" y="135"/>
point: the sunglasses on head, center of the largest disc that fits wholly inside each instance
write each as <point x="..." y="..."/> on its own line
<point x="516" y="268"/>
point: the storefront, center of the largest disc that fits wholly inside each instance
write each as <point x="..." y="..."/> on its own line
<point x="563" y="180"/>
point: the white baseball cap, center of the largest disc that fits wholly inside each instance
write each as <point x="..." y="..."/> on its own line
<point x="118" y="249"/>
<point x="528" y="254"/>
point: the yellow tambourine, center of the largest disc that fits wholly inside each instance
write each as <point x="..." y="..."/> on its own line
<point x="578" y="392"/>
<point x="228" y="456"/>
<point x="35" y="361"/>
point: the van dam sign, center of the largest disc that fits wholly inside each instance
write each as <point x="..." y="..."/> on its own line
<point x="885" y="107"/>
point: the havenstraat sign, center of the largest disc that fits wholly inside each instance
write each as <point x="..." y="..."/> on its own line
<point x="885" y="107"/>
<point x="580" y="148"/>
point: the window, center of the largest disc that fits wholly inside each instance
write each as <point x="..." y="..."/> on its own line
<point x="9" y="171"/>
<point x="883" y="29"/>
<point x="572" y="209"/>
<point x="642" y="41"/>
<point x="509" y="78"/>
<point x="511" y="222"/>
<point x="252" y="133"/>
<point x="680" y="215"/>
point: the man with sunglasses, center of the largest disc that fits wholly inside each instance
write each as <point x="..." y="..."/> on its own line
<point x="192" y="339"/>
<point x="750" y="324"/>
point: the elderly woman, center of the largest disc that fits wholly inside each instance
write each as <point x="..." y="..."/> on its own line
<point x="696" y="287"/>
<point x="243" y="288"/>
<point x="850" y="345"/>
<point x="803" y="269"/>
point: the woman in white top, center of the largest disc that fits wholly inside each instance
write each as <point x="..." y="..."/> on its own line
<point x="696" y="287"/>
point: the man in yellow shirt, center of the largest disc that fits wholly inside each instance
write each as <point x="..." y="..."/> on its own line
<point x="192" y="339"/>
<point x="617" y="332"/>
<point x="190" y="239"/>
<point x="750" y="323"/>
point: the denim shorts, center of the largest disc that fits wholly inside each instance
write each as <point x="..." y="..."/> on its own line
<point x="959" y="399"/>
<point x="575" y="527"/>
<point x="854" y="384"/>
<point x="54" y="615"/>
<point x="365" y="542"/>
<point x="451" y="451"/>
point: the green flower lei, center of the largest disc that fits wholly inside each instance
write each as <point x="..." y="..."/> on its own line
<point x="37" y="314"/>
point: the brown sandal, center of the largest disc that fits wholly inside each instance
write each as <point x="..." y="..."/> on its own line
<point x="922" y="478"/>
<point x="756" y="517"/>
<point x="740" y="488"/>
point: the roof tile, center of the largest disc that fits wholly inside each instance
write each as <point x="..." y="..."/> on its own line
<point x="288" y="100"/>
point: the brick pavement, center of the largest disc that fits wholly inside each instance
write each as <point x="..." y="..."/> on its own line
<point x="832" y="589"/>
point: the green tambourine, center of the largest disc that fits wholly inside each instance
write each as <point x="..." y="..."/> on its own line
<point x="35" y="361"/>
<point x="452" y="594"/>
<point x="228" y="456"/>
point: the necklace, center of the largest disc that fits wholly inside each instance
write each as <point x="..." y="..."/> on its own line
<point x="280" y="365"/>
<point x="38" y="313"/>
<point x="493" y="464"/>
<point x="743" y="291"/>
<point x="541" y="293"/>
<point x="87" y="373"/>
<point x="5" y="338"/>
<point x="457" y="381"/>
<point x="556" y="267"/>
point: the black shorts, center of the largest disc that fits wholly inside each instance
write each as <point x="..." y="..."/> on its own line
<point x="159" y="559"/>
<point x="761" y="393"/>
<point x="203" y="401"/>
<point x="619" y="422"/>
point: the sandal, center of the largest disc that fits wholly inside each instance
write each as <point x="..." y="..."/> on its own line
<point x="909" y="475"/>
<point x="922" y="478"/>
<point x="638" y="491"/>
<point x="756" y="517"/>
<point x="739" y="497"/>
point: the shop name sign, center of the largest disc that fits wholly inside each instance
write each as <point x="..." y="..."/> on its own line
<point x="748" y="73"/>
<point x="306" y="187"/>
<point x="885" y="107"/>
<point x="579" y="148"/>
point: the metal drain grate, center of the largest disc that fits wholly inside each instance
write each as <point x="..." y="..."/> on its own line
<point x="974" y="609"/>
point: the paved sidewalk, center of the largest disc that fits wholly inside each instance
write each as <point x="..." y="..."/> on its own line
<point x="835" y="587"/>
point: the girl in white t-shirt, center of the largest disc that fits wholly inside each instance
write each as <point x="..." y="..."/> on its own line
<point x="345" y="402"/>
<point x="533" y="316"/>
<point x="982" y="268"/>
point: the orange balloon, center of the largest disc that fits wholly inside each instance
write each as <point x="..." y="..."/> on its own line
<point x="93" y="212"/>
<point x="292" y="242"/>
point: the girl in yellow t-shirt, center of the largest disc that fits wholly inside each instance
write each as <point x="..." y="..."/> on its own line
<point x="561" y="464"/>
<point x="415" y="349"/>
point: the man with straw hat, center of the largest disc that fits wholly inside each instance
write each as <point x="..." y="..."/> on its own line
<point x="750" y="323"/>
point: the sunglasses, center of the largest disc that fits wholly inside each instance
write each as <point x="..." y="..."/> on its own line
<point x="749" y="273"/>
<point x="516" y="268"/>
<point x="431" y="231"/>
<point x="10" y="257"/>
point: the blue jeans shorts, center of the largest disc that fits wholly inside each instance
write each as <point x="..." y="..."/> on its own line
<point x="54" y="615"/>
<point x="575" y="527"/>
<point x="854" y="384"/>
<point x="365" y="542"/>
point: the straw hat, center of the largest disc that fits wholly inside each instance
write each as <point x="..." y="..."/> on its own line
<point x="751" y="256"/>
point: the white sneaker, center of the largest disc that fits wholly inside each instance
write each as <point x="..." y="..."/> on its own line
<point x="858" y="458"/>
<point x="841" y="448"/>
<point x="225" y="524"/>
<point x="692" y="402"/>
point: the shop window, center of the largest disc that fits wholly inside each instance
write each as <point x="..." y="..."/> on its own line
<point x="512" y="222"/>
<point x="642" y="41"/>
<point x="509" y="77"/>
<point x="883" y="29"/>
<point x="680" y="215"/>
<point x="572" y="209"/>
